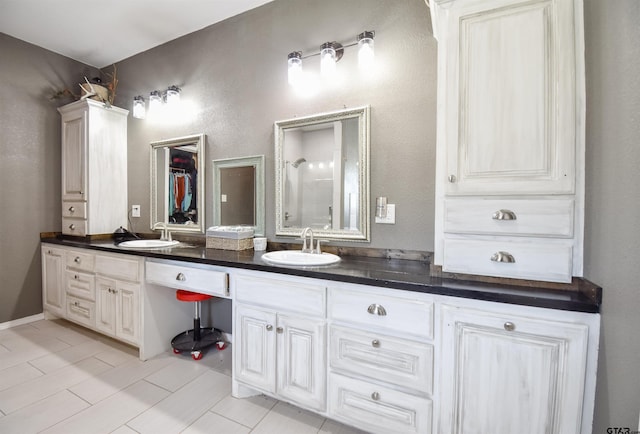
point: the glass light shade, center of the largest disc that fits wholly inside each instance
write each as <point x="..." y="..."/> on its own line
<point x="327" y="60"/>
<point x="366" y="53"/>
<point x="173" y="95"/>
<point x="139" y="109"/>
<point x="294" y="68"/>
<point x="155" y="102"/>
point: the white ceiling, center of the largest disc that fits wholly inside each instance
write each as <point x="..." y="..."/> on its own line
<point x="100" y="33"/>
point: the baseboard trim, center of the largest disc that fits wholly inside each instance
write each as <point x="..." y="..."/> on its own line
<point x="21" y="321"/>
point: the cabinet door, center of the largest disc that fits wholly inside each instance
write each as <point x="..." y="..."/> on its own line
<point x="255" y="348"/>
<point x="128" y="312"/>
<point x="301" y="359"/>
<point x="74" y="147"/>
<point x="53" y="291"/>
<point x="511" y="97"/>
<point x="503" y="374"/>
<point x="106" y="305"/>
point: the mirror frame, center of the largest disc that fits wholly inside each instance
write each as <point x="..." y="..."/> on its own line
<point x="257" y="162"/>
<point x="198" y="140"/>
<point x="363" y="116"/>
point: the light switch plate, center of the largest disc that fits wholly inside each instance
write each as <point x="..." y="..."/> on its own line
<point x="135" y="210"/>
<point x="390" y="219"/>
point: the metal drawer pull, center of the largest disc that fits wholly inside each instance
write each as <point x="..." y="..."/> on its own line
<point x="72" y="226"/>
<point x="376" y="309"/>
<point x="77" y="258"/>
<point x="504" y="214"/>
<point x="269" y="327"/>
<point x="375" y="396"/>
<point x="72" y="209"/>
<point x="503" y="257"/>
<point x="75" y="276"/>
<point x="279" y="330"/>
<point x="375" y="343"/>
<point x="509" y="326"/>
<point x="452" y="178"/>
<point x="180" y="277"/>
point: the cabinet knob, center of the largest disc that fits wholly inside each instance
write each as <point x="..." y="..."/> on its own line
<point x="376" y="309"/>
<point x="452" y="178"/>
<point x="72" y="226"/>
<point x="504" y="214"/>
<point x="503" y="257"/>
<point x="279" y="330"/>
<point x="72" y="209"/>
<point x="77" y="258"/>
<point x="509" y="326"/>
<point x="375" y="343"/>
<point x="375" y="396"/>
<point x="75" y="303"/>
<point x="75" y="276"/>
<point x="269" y="327"/>
<point x="180" y="277"/>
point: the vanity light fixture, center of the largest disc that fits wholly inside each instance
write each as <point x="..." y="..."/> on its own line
<point x="155" y="102"/>
<point x="330" y="53"/>
<point x="171" y="98"/>
<point x="139" y="109"/>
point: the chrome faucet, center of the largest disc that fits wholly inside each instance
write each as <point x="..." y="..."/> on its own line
<point x="307" y="232"/>
<point x="166" y="234"/>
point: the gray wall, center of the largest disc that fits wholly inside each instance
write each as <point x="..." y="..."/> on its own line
<point x="234" y="74"/>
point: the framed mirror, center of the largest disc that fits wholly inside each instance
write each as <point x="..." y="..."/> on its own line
<point x="322" y="175"/>
<point x="238" y="197"/>
<point x="177" y="184"/>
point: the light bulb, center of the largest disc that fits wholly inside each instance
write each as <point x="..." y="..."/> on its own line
<point x="155" y="102"/>
<point x="365" y="50"/>
<point x="139" y="110"/>
<point x="173" y="95"/>
<point x="294" y="69"/>
<point x="327" y="60"/>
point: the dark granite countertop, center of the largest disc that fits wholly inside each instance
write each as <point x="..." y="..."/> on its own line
<point x="402" y="274"/>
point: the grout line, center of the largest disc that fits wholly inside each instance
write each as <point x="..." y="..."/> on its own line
<point x="75" y="394"/>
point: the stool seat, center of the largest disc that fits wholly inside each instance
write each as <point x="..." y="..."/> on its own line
<point x="184" y="295"/>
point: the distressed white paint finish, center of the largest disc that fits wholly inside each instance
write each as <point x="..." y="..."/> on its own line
<point x="53" y="289"/>
<point x="80" y="284"/>
<point x="401" y="362"/>
<point x="535" y="259"/>
<point x="528" y="378"/>
<point x="81" y="311"/>
<point x="377" y="408"/>
<point x="540" y="217"/>
<point x="94" y="167"/>
<point x="301" y="360"/>
<point x="510" y="117"/>
<point x="188" y="276"/>
<point x="106" y="305"/>
<point x="128" y="312"/>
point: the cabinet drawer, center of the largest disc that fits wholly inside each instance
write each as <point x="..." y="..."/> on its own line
<point x="553" y="217"/>
<point x="378" y="409"/>
<point x="387" y="313"/>
<point x="402" y="362"/>
<point x="281" y="294"/>
<point x="80" y="284"/>
<point x="124" y="268"/>
<point x="547" y="260"/>
<point x="72" y="226"/>
<point x="186" y="276"/>
<point x="74" y="209"/>
<point x="81" y="311"/>
<point x="80" y="260"/>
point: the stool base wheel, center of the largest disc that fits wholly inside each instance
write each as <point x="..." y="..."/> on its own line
<point x="185" y="341"/>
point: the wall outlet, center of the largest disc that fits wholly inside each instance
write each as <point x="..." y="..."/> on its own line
<point x="135" y="210"/>
<point x="390" y="219"/>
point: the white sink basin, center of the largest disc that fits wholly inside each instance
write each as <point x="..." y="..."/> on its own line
<point x="299" y="259"/>
<point x="148" y="244"/>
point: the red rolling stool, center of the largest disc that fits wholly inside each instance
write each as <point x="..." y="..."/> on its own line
<point x="198" y="338"/>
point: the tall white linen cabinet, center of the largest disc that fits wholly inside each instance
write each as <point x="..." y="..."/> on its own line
<point x="94" y="168"/>
<point x="510" y="138"/>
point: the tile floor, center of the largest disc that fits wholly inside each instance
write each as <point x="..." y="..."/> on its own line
<point x="56" y="377"/>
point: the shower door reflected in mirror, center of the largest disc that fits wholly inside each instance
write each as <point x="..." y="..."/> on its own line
<point x="322" y="175"/>
<point x="177" y="184"/>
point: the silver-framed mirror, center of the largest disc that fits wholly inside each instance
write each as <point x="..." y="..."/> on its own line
<point x="238" y="198"/>
<point x="322" y="175"/>
<point x="177" y="184"/>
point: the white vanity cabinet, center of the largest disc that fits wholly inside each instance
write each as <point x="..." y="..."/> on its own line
<point x="381" y="359"/>
<point x="280" y="338"/>
<point x="516" y="369"/>
<point x="510" y="140"/>
<point x="53" y="290"/>
<point x="94" y="168"/>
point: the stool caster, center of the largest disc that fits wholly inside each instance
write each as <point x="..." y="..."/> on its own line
<point x="176" y="351"/>
<point x="196" y="355"/>
<point x="221" y="345"/>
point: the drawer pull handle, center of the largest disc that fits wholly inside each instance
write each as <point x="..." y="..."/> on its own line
<point x="376" y="309"/>
<point x="72" y="209"/>
<point x="72" y="226"/>
<point x="451" y="178"/>
<point x="269" y="327"/>
<point x="75" y="303"/>
<point x="504" y="214"/>
<point x="509" y="326"/>
<point x="75" y="276"/>
<point x="180" y="277"/>
<point x="77" y="258"/>
<point x="375" y="396"/>
<point x="375" y="343"/>
<point x="279" y="330"/>
<point x="503" y="257"/>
